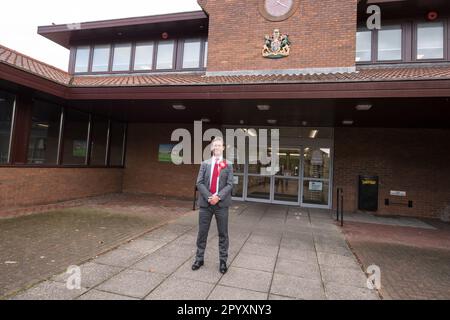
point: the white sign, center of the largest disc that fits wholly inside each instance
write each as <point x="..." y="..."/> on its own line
<point x="317" y="158"/>
<point x="315" y="186"/>
<point x="398" y="193"/>
<point x="236" y="179"/>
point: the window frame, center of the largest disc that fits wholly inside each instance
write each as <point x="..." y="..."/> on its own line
<point x="445" y="42"/>
<point x="201" y="56"/>
<point x="371" y="45"/>
<point x="15" y="122"/>
<point x="112" y="53"/>
<point x="402" y="44"/>
<point x="91" y="64"/>
<point x="409" y="42"/>
<point x="133" y="54"/>
<point x="177" y="56"/>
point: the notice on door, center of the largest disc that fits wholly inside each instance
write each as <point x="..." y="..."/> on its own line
<point x="315" y="186"/>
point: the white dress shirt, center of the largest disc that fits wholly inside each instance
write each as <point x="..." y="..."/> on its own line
<point x="213" y="163"/>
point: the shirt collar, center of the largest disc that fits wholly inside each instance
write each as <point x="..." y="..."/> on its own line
<point x="213" y="159"/>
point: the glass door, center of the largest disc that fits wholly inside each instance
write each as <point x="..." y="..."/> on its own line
<point x="283" y="186"/>
<point x="316" y="177"/>
<point x="286" y="184"/>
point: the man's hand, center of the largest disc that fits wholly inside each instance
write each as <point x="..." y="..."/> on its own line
<point x="213" y="200"/>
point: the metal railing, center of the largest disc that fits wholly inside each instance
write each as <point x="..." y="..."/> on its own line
<point x="340" y="205"/>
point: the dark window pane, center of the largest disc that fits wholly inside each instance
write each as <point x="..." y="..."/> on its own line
<point x="390" y="44"/>
<point x="430" y="41"/>
<point x="98" y="142"/>
<point x="117" y="135"/>
<point x="44" y="135"/>
<point x="164" y="59"/>
<point x="122" y="57"/>
<point x="75" y="137"/>
<point x="191" y="53"/>
<point x="363" y="46"/>
<point x="6" y="114"/>
<point x="82" y="59"/>
<point x="143" y="57"/>
<point x="101" y="58"/>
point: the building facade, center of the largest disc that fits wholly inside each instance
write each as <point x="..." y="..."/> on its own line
<point x="357" y="108"/>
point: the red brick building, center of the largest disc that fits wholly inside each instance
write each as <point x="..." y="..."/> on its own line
<point x="349" y="101"/>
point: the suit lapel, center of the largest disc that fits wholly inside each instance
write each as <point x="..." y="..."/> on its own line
<point x="208" y="173"/>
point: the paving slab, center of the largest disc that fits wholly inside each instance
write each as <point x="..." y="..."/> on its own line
<point x="308" y="270"/>
<point x="345" y="276"/>
<point x="175" y="288"/>
<point x="209" y="272"/>
<point x="101" y="295"/>
<point x="296" y="287"/>
<point x="159" y="263"/>
<point x="119" y="258"/>
<point x="335" y="291"/>
<point x="247" y="279"/>
<point x="229" y="293"/>
<point x="92" y="274"/>
<point x="132" y="283"/>
<point x="254" y="262"/>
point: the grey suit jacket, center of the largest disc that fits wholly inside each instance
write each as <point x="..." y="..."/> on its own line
<point x="225" y="184"/>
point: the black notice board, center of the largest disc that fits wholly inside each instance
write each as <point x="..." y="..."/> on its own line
<point x="368" y="193"/>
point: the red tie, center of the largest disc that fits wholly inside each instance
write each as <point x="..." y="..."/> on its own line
<point x="215" y="176"/>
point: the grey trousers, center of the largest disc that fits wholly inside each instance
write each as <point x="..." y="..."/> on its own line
<point x="204" y="220"/>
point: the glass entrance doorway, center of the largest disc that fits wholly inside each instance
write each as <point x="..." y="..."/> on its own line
<point x="303" y="177"/>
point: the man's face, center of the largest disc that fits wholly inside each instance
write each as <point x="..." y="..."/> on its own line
<point x="217" y="148"/>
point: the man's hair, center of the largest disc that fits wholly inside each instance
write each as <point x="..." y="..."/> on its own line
<point x="218" y="139"/>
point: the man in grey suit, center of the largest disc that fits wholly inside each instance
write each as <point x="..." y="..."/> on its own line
<point x="215" y="183"/>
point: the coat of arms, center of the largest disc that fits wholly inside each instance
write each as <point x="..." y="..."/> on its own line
<point x="276" y="46"/>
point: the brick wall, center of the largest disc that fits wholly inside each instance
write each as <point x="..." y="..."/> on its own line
<point x="323" y="35"/>
<point x="33" y="186"/>
<point x="145" y="174"/>
<point x="413" y="160"/>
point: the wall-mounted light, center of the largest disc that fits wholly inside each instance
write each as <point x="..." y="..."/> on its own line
<point x="263" y="107"/>
<point x="179" y="107"/>
<point x="363" y="107"/>
<point x="348" y="122"/>
<point x="272" y="121"/>
<point x="313" y="133"/>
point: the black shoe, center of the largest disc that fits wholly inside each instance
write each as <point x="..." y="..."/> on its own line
<point x="197" y="265"/>
<point x="223" y="267"/>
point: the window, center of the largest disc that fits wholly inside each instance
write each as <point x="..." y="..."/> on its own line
<point x="117" y="142"/>
<point x="6" y="118"/>
<point x="430" y="40"/>
<point x="44" y="135"/>
<point x="98" y="141"/>
<point x="101" y="58"/>
<point x="205" y="62"/>
<point x="75" y="137"/>
<point x="122" y="57"/>
<point x="363" y="46"/>
<point x="143" y="57"/>
<point x="164" y="58"/>
<point x="82" y="59"/>
<point x="191" y="53"/>
<point x="390" y="43"/>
